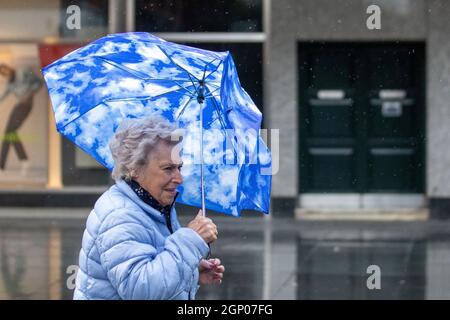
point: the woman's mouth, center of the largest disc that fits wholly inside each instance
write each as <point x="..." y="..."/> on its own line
<point x="171" y="191"/>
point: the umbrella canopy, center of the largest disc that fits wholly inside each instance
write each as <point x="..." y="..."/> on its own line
<point x="134" y="75"/>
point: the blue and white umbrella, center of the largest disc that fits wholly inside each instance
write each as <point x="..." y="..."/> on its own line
<point x="133" y="75"/>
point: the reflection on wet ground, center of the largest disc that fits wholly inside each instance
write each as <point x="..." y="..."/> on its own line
<point x="264" y="259"/>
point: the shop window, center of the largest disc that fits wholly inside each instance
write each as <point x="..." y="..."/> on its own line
<point x="199" y="16"/>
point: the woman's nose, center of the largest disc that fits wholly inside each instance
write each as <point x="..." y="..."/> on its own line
<point x="178" y="178"/>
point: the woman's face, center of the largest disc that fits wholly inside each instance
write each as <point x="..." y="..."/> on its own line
<point x="162" y="174"/>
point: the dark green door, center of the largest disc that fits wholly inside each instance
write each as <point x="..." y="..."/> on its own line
<point x="361" y="117"/>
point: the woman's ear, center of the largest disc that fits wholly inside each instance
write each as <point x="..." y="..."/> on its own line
<point x="135" y="173"/>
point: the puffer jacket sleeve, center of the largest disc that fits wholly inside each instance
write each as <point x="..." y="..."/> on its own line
<point x="133" y="265"/>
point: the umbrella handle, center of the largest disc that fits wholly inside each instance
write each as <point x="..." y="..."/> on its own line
<point x="209" y="252"/>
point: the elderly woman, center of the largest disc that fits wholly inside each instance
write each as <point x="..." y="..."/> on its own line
<point x="133" y="246"/>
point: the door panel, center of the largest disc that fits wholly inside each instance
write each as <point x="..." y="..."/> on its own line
<point x="361" y="117"/>
<point x="330" y="70"/>
<point x="392" y="118"/>
<point x="393" y="98"/>
<point x="329" y="119"/>
<point x="332" y="168"/>
<point x="390" y="169"/>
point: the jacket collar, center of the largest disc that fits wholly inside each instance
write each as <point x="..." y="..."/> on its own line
<point x="145" y="196"/>
<point x="128" y="191"/>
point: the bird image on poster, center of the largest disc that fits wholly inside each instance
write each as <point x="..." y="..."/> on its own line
<point x="23" y="83"/>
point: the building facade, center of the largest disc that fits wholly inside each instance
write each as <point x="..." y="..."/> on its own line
<point x="358" y="91"/>
<point x="364" y="111"/>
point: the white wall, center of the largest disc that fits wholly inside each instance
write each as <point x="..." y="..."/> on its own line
<point x="28" y="20"/>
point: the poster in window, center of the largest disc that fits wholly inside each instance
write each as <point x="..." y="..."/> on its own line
<point x="23" y="116"/>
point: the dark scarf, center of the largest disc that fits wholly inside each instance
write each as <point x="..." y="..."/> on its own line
<point x="145" y="196"/>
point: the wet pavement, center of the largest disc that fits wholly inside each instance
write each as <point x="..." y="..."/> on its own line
<point x="276" y="258"/>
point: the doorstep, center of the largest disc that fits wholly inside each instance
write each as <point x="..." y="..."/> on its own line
<point x="363" y="214"/>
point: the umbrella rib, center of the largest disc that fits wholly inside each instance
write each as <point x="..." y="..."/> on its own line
<point x="185" y="88"/>
<point x="206" y="68"/>
<point x="211" y="92"/>
<point x="196" y="91"/>
<point x="218" y="112"/>
<point x="165" y="53"/>
<point x="123" y="99"/>
<point x="184" y="107"/>
<point x="204" y="60"/>
<point x="213" y="120"/>
<point x="131" y="71"/>
<point x="144" y="98"/>
<point x="214" y="69"/>
<point x="130" y="99"/>
<point x="137" y="75"/>
<point x="213" y="85"/>
<point x="219" y="116"/>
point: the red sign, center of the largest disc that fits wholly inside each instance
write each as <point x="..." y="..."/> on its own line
<point x="49" y="53"/>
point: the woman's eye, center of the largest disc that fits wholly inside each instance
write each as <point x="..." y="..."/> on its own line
<point x="172" y="168"/>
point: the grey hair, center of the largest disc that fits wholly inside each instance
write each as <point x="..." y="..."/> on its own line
<point x="135" y="139"/>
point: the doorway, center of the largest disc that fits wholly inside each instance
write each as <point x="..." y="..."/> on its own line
<point x="361" y="118"/>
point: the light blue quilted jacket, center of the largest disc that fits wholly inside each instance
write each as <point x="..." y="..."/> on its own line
<point x="128" y="252"/>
